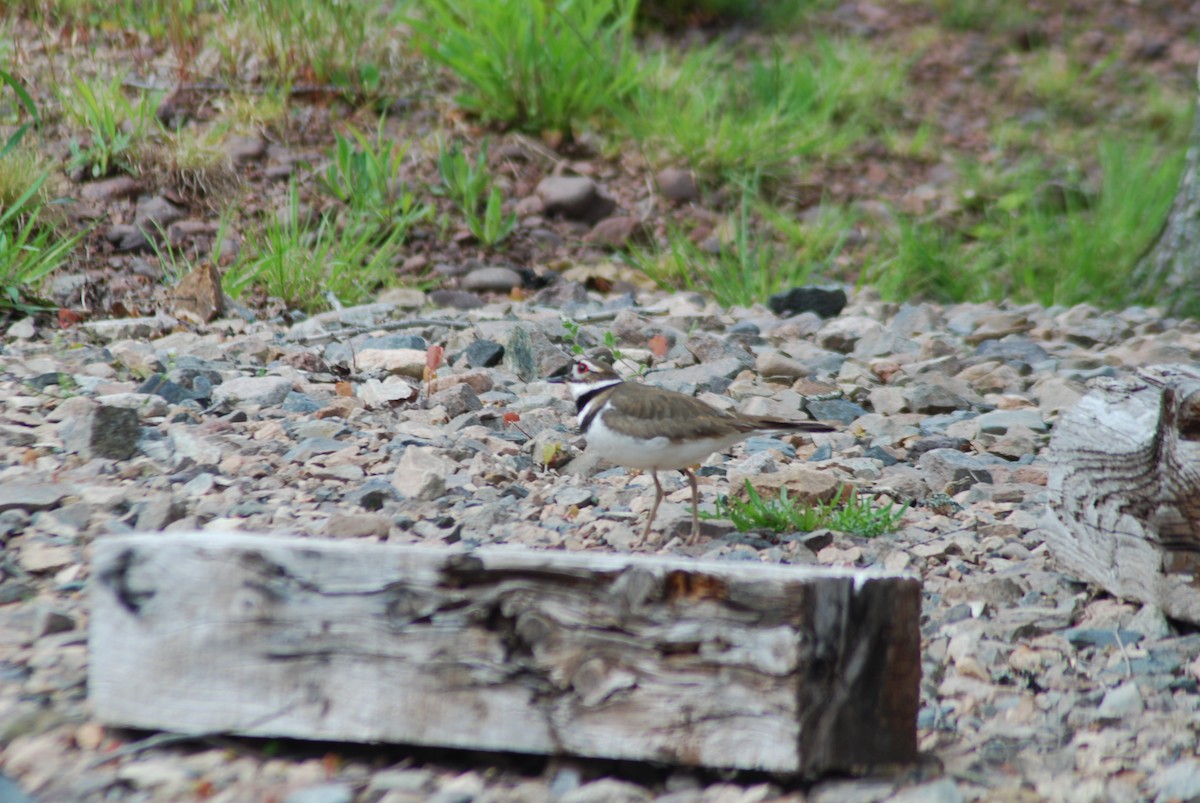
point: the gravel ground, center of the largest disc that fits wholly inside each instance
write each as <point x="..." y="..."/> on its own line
<point x="1035" y="686"/>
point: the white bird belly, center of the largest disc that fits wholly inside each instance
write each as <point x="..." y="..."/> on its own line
<point x="658" y="454"/>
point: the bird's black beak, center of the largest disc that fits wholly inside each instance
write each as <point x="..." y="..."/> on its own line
<point x="559" y="377"/>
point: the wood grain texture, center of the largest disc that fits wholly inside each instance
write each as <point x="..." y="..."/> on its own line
<point x="776" y="668"/>
<point x="1125" y="489"/>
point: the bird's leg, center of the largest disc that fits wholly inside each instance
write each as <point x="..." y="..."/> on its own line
<point x="658" y="495"/>
<point x="687" y="472"/>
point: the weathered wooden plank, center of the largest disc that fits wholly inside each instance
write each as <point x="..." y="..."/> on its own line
<point x="612" y="656"/>
<point x="1125" y="489"/>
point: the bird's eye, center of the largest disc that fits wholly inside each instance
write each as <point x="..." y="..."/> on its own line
<point x="581" y="367"/>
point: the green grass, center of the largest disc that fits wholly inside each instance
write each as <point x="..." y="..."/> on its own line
<point x="748" y="264"/>
<point x="858" y="515"/>
<point x="469" y="187"/>
<point x="533" y="65"/>
<point x="314" y="270"/>
<point x="1027" y="236"/>
<point x="367" y="176"/>
<point x="729" y="114"/>
<point x="114" y="126"/>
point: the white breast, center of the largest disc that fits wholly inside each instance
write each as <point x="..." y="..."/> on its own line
<point x="659" y="454"/>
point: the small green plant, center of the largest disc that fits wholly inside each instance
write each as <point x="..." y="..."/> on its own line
<point x="466" y="183"/>
<point x="858" y="515"/>
<point x="366" y="176"/>
<point x="534" y="65"/>
<point x="313" y="270"/>
<point x="30" y="249"/>
<point x="571" y="336"/>
<point x="115" y="126"/>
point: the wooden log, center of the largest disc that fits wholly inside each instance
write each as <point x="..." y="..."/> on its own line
<point x="750" y="666"/>
<point x="1124" y="488"/>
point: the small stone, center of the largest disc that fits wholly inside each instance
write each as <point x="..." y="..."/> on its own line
<point x="374" y="494"/>
<point x="323" y="793"/>
<point x="952" y="471"/>
<point x="677" y="184"/>
<point x="123" y="329"/>
<point x="455" y="299"/>
<point x="842" y="334"/>
<point x="491" y="280"/>
<point x="199" y="294"/>
<point x="358" y="525"/>
<point x="457" y="399"/>
<point x="828" y="302"/>
<point x="146" y="405"/>
<point x="999" y="422"/>
<point x="155" y="214"/>
<point x="484" y="354"/>
<point x="159" y="511"/>
<point x="102" y="431"/>
<point x="934" y="398"/>
<point x="840" y="411"/>
<point x="575" y="198"/>
<point x="306" y="449"/>
<point x="518" y="354"/>
<point x="37" y="557"/>
<point x="421" y="473"/>
<point x="22" y="329"/>
<point x="1100" y="637"/>
<point x="243" y="149"/>
<point x="619" y="232"/>
<point x="1178" y="782"/>
<point x="263" y="391"/>
<point x="110" y="189"/>
<point x="607" y="790"/>
<point x="943" y="790"/>
<point x="48" y="621"/>
<point x="30" y="496"/>
<point x="1122" y="702"/>
<point x="773" y="364"/>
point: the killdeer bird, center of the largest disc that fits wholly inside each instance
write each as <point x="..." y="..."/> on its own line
<point x="641" y="426"/>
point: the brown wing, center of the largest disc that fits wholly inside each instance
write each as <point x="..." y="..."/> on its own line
<point x="647" y="411"/>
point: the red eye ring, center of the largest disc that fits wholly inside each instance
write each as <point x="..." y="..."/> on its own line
<point x="581" y="367"/>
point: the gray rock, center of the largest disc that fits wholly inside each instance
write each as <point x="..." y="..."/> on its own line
<point x="607" y="790"/>
<point x="1100" y="637"/>
<point x="457" y="399"/>
<point x="102" y="431"/>
<point x="942" y="790"/>
<point x="155" y="214"/>
<point x="323" y="793"/>
<point x="827" y="302"/>
<point x="840" y="411"/>
<point x="491" y="280"/>
<point x="619" y="232"/>
<point x="575" y="198"/>
<point x="455" y="299"/>
<point x="159" y="511"/>
<point x="842" y="334"/>
<point x="263" y="391"/>
<point x="392" y="341"/>
<point x="677" y="184"/>
<point x="31" y="496"/>
<point x="999" y="422"/>
<point x="307" y="448"/>
<point x="484" y="354"/>
<point x="123" y="329"/>
<point x="712" y="376"/>
<point x="1122" y="702"/>
<point x="48" y="621"/>
<point x="518" y="354"/>
<point x="933" y="398"/>
<point x="374" y="494"/>
<point x="146" y="405"/>
<point x="952" y="471"/>
<point x="1178" y="782"/>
